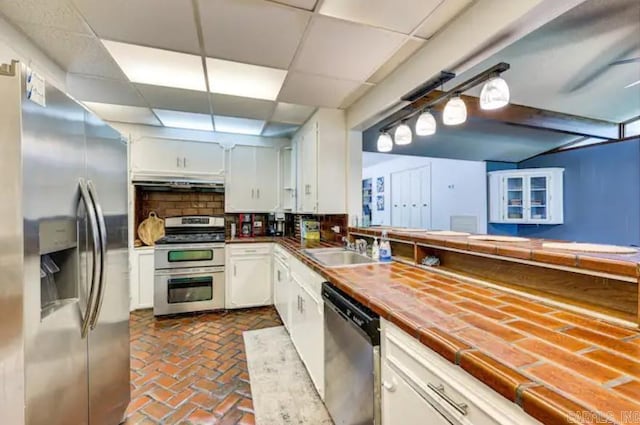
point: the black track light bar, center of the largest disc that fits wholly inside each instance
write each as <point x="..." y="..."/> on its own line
<point x="428" y="86"/>
<point x="457" y="90"/>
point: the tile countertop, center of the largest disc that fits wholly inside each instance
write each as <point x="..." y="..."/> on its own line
<point x="532" y="250"/>
<point x="551" y="362"/>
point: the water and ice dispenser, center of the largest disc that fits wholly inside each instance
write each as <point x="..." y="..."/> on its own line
<point x="58" y="264"/>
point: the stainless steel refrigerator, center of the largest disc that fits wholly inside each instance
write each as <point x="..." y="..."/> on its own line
<point x="64" y="288"/>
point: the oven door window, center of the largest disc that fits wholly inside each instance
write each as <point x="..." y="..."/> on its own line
<point x="190" y="289"/>
<point x="190" y="255"/>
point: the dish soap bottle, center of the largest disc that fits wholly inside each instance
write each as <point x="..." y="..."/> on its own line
<point x="375" y="250"/>
<point x="385" y="248"/>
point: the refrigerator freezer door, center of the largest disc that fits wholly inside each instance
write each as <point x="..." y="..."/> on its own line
<point x="109" y="391"/>
<point x="53" y="149"/>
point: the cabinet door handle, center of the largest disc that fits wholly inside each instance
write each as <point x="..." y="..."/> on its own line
<point x="439" y="390"/>
<point x="234" y="269"/>
<point x="279" y="276"/>
<point x="391" y="387"/>
<point x="178" y="161"/>
<point x="252" y="193"/>
<point x="258" y="193"/>
<point x="184" y="162"/>
<point x="301" y="305"/>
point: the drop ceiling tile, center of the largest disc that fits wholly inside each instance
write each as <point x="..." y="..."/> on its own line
<point x="175" y="99"/>
<point x="401" y="55"/>
<point x="289" y="113"/>
<point x="345" y="50"/>
<point x="188" y="120"/>
<point x="166" y="24"/>
<point x="355" y="95"/>
<point x="238" y="125"/>
<point x="103" y="90"/>
<point x="316" y="90"/>
<point x="397" y="15"/>
<point x="252" y="31"/>
<point x="300" y="4"/>
<point x="444" y="14"/>
<point x="158" y="67"/>
<point x="51" y="13"/>
<point x="120" y="113"/>
<point x="77" y="53"/>
<point x="240" y="79"/>
<point x="276" y="129"/>
<point x="236" y="106"/>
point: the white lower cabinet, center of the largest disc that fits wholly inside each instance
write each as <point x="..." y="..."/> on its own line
<point x="401" y="400"/>
<point x="421" y="387"/>
<point x="141" y="279"/>
<point x="248" y="276"/>
<point x="307" y="320"/>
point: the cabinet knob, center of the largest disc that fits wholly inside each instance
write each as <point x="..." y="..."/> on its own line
<point x="391" y="387"/>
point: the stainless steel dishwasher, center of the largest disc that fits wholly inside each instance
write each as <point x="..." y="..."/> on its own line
<point x="351" y="359"/>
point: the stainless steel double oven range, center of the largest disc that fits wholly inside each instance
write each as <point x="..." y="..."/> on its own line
<point x="189" y="266"/>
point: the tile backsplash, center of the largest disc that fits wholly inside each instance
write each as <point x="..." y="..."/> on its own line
<point x="327" y="221"/>
<point x="177" y="203"/>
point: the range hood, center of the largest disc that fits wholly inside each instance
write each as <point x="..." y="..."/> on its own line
<point x="166" y="183"/>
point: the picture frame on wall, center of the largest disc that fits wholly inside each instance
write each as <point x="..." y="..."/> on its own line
<point x="380" y="185"/>
<point x="380" y="202"/>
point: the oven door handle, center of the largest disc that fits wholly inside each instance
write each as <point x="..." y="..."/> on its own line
<point x="185" y="272"/>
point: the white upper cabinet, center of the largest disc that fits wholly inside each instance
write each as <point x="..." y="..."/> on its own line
<point x="252" y="179"/>
<point x="321" y="146"/>
<point x="166" y="157"/>
<point x="527" y="196"/>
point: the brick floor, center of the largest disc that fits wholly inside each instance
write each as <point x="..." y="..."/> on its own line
<point x="192" y="369"/>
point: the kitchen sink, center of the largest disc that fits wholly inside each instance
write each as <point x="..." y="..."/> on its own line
<point x="337" y="257"/>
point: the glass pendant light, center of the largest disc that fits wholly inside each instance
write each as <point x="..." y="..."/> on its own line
<point x="494" y="94"/>
<point x="385" y="144"/>
<point x="403" y="134"/>
<point x="426" y="124"/>
<point x="455" y="111"/>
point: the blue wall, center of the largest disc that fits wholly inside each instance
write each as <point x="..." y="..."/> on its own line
<point x="601" y="194"/>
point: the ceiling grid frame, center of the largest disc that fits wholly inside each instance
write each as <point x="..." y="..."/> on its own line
<point x="203" y="57"/>
<point x="77" y="7"/>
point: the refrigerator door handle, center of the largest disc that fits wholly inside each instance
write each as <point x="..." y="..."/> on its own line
<point x="102" y="227"/>
<point x="95" y="273"/>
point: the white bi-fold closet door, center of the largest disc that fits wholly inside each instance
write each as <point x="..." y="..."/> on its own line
<point x="411" y="198"/>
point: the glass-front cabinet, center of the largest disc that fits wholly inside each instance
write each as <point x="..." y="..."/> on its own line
<point x="526" y="196"/>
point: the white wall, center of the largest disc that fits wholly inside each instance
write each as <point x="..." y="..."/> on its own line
<point x="457" y="187"/>
<point x="354" y="175"/>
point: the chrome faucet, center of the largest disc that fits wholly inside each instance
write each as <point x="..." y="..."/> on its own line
<point x="348" y="245"/>
<point x="361" y="246"/>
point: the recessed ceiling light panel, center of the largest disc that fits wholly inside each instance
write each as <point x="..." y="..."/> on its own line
<point x="185" y="120"/>
<point x="240" y="79"/>
<point x="158" y="67"/>
<point x="123" y="113"/>
<point x="238" y="125"/>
